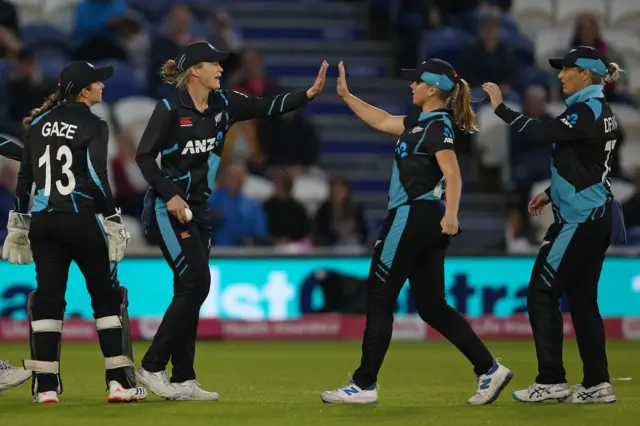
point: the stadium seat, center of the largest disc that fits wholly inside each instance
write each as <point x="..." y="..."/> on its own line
<point x="61" y="14"/>
<point x="103" y="111"/>
<point x="634" y="81"/>
<point x="628" y="117"/>
<point x="622" y="190"/>
<point x="258" y="188"/>
<point x="35" y="36"/>
<point x="568" y="10"/>
<point x="132" y="115"/>
<point x="548" y="43"/>
<point x="630" y="157"/>
<point x="122" y="84"/>
<point x="51" y="67"/>
<point x="541" y="223"/>
<point x="493" y="139"/>
<point x="626" y="42"/>
<point x="446" y="44"/>
<point x="533" y="16"/>
<point x="310" y="191"/>
<point x="625" y="14"/>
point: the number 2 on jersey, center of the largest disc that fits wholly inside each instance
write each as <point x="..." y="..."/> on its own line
<point x="45" y="160"/>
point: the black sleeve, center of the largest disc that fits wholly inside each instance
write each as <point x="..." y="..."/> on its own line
<point x="439" y="136"/>
<point x="243" y="107"/>
<point x="97" y="163"/>
<point x="25" y="180"/>
<point x="153" y="141"/>
<point x="574" y="124"/>
<point x="10" y="149"/>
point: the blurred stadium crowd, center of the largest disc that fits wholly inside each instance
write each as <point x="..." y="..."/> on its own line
<point x="318" y="177"/>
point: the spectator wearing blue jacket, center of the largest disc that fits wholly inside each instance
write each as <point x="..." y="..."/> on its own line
<point x="237" y="220"/>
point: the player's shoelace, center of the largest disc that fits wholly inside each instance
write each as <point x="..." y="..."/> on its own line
<point x="6" y="367"/>
<point x="350" y="382"/>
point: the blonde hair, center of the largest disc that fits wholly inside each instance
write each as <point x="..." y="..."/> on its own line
<point x="51" y="102"/>
<point x="172" y="75"/>
<point x="460" y="101"/>
<point x="612" y="75"/>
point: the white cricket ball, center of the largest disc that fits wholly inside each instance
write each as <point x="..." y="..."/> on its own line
<point x="189" y="214"/>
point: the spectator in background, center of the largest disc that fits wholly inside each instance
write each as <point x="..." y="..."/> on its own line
<point x="631" y="208"/>
<point x="251" y="79"/>
<point x="27" y="87"/>
<point x="9" y="30"/>
<point x="130" y="185"/>
<point x="287" y="219"/>
<point x="489" y="59"/>
<point x="529" y="161"/>
<point x="516" y="238"/>
<point x="290" y="142"/>
<point x="168" y="44"/>
<point x="224" y="37"/>
<point x="8" y="181"/>
<point x="340" y="220"/>
<point x="98" y="25"/>
<point x="237" y="220"/>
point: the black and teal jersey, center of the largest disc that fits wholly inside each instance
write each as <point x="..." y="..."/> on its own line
<point x="583" y="138"/>
<point x="65" y="155"/>
<point x="10" y="149"/>
<point x="190" y="142"/>
<point x="416" y="174"/>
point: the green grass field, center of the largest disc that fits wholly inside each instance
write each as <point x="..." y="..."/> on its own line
<point x="425" y="383"/>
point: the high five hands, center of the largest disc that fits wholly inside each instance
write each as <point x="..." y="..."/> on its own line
<point x="318" y="85"/>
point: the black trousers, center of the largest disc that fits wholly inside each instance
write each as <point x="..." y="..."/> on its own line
<point x="186" y="249"/>
<point x="569" y="263"/>
<point x="57" y="239"/>
<point x="411" y="246"/>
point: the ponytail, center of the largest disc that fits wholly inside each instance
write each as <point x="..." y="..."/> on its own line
<point x="51" y="102"/>
<point x="613" y="73"/>
<point x="171" y="75"/>
<point x="460" y="102"/>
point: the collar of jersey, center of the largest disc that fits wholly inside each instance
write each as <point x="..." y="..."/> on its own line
<point x="77" y="104"/>
<point x="593" y="91"/>
<point x="186" y="100"/>
<point x="437" y="113"/>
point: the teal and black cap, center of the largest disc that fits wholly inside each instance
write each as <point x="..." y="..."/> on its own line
<point x="584" y="57"/>
<point x="434" y="72"/>
<point x="200" y="51"/>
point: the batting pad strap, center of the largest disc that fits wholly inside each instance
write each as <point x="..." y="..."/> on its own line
<point x="50" y="367"/>
<point x="106" y="323"/>
<point x="47" y="326"/>
<point x="113" y="362"/>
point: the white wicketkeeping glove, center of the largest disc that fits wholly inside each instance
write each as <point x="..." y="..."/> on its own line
<point x="117" y="237"/>
<point x="17" y="248"/>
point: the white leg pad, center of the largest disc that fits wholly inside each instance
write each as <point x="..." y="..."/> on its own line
<point x="113" y="362"/>
<point x="50" y="367"/>
<point x="46" y="326"/>
<point x="106" y="323"/>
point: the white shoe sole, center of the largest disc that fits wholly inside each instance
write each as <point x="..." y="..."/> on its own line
<point x="559" y="397"/>
<point x="498" y="391"/>
<point x="604" y="400"/>
<point x="327" y="399"/>
<point x="121" y="398"/>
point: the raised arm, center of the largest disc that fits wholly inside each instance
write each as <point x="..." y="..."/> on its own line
<point x="573" y="124"/>
<point x="97" y="164"/>
<point x="374" y="117"/>
<point x="242" y="107"/>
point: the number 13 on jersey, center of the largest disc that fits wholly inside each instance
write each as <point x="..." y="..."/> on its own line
<point x="65" y="156"/>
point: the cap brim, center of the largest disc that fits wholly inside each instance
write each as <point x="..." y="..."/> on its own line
<point x="408" y="74"/>
<point x="557" y="63"/>
<point x="103" y="74"/>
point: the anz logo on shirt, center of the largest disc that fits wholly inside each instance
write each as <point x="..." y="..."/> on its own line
<point x="570" y="120"/>
<point x="202" y="146"/>
<point x="448" y="136"/>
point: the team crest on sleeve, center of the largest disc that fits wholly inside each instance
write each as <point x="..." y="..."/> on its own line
<point x="448" y="135"/>
<point x="417" y="129"/>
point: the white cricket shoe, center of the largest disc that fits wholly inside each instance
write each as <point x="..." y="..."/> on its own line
<point x="11" y="376"/>
<point x="599" y="394"/>
<point x="50" y="397"/>
<point x="157" y="383"/>
<point x="119" y="394"/>
<point x="192" y="391"/>
<point x="350" y="393"/>
<point x="538" y="393"/>
<point x="491" y="384"/>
